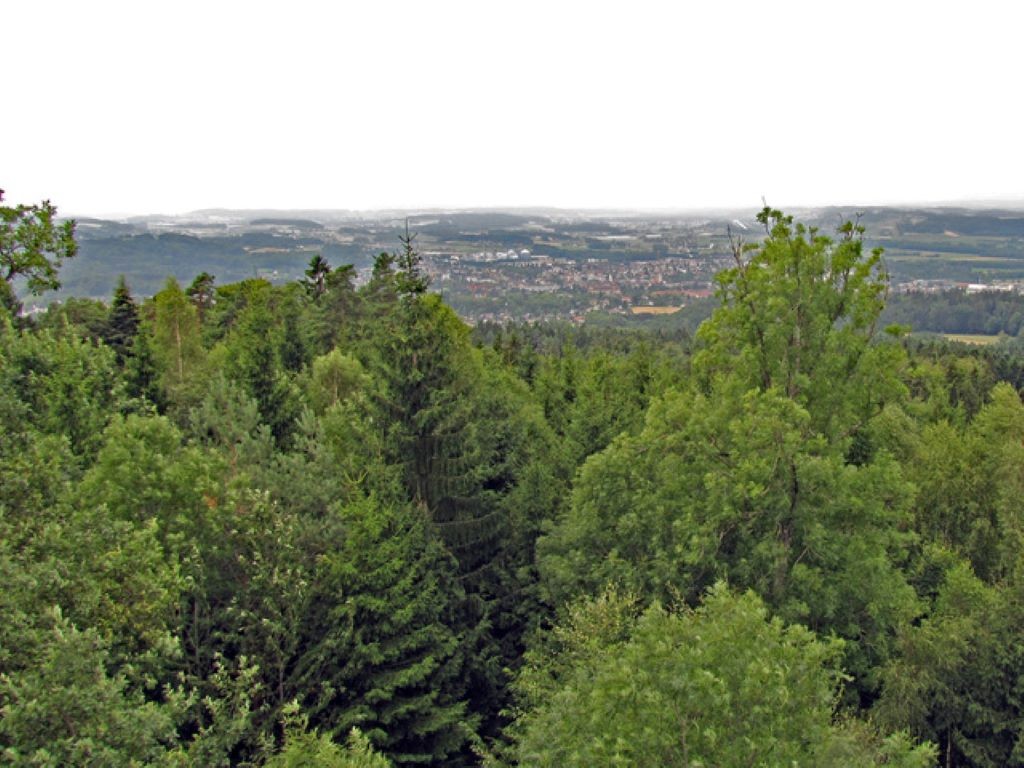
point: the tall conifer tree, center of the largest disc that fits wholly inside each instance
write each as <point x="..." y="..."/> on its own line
<point x="123" y="322"/>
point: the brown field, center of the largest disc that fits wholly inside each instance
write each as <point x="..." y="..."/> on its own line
<point x="971" y="338"/>
<point x="655" y="310"/>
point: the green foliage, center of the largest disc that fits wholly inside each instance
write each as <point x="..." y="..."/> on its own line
<point x="221" y="719"/>
<point x="57" y="385"/>
<point x="335" y="377"/>
<point x="256" y="350"/>
<point x="177" y="348"/>
<point x="228" y="420"/>
<point x="68" y="709"/>
<point x="144" y="473"/>
<point x="721" y="685"/>
<point x="754" y="474"/>
<point x="589" y="627"/>
<point x="89" y="318"/>
<point x="141" y="375"/>
<point x="956" y="679"/>
<point x="35" y="467"/>
<point x="798" y="315"/>
<point x="250" y="573"/>
<point x="704" y="493"/>
<point x="475" y="455"/>
<point x="33" y="245"/>
<point x="969" y="485"/>
<point x="592" y="397"/>
<point x="334" y="318"/>
<point x="304" y="748"/>
<point x="123" y="323"/>
<point x="379" y="653"/>
<point x="409" y="277"/>
<point x="337" y="502"/>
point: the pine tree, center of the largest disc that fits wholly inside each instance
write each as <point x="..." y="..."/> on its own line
<point x="202" y="293"/>
<point x="316" y="277"/>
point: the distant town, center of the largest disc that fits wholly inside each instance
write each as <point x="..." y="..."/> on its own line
<point x="534" y="264"/>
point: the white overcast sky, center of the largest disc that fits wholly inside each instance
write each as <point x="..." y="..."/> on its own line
<point x="165" y="107"/>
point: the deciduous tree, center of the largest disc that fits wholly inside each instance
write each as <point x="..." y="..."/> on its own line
<point x="33" y="244"/>
<point x="720" y="685"/>
<point x="749" y="475"/>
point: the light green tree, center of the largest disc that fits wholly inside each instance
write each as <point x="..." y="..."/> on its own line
<point x="308" y="749"/>
<point x="762" y="471"/>
<point x="721" y="685"/>
<point x="177" y="345"/>
<point x="799" y="312"/>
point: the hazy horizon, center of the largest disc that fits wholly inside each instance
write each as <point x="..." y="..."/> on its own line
<point x="1009" y="204"/>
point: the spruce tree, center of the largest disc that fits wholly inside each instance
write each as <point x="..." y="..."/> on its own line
<point x="123" y="321"/>
<point x="254" y="360"/>
<point x="379" y="651"/>
<point x="463" y="441"/>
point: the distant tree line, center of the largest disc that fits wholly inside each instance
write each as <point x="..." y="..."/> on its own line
<point x="956" y="311"/>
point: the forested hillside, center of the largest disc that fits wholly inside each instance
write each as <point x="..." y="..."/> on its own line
<point x="319" y="525"/>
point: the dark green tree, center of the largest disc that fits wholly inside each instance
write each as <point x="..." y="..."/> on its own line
<point x="474" y="454"/>
<point x="123" y="321"/>
<point x="141" y="373"/>
<point x="316" y="276"/>
<point x="254" y="360"/>
<point x="336" y="316"/>
<point x="202" y="293"/>
<point x="956" y="680"/>
<point x="297" y="343"/>
<point x="378" y="649"/>
<point x="409" y="277"/>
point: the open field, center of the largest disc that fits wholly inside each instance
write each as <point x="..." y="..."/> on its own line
<point x="973" y="338"/>
<point x="654" y="310"/>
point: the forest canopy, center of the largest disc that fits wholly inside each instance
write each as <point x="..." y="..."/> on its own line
<point x="332" y="525"/>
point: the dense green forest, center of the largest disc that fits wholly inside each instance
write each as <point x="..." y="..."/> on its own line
<point x="316" y="525"/>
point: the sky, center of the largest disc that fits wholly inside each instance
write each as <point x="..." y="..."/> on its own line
<point x="166" y="107"/>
